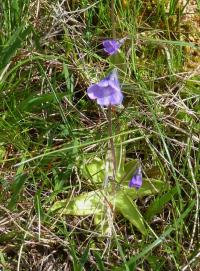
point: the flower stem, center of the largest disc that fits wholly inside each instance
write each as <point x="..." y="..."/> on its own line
<point x="109" y="117"/>
<point x="113" y="18"/>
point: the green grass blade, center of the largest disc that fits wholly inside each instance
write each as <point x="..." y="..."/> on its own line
<point x="12" y="45"/>
<point x="99" y="261"/>
<point x="16" y="189"/>
<point x="160" y="239"/>
<point x="158" y="204"/>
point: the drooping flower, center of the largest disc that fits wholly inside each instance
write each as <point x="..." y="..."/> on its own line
<point x="136" y="180"/>
<point x="111" y="47"/>
<point x="107" y="91"/>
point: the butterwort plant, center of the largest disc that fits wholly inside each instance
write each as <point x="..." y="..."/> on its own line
<point x="107" y="92"/>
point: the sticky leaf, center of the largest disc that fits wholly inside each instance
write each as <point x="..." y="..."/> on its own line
<point x="85" y="204"/>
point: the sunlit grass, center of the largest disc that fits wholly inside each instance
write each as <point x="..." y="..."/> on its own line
<point x="50" y="53"/>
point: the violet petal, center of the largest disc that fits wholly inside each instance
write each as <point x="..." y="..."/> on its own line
<point x="107" y="91"/>
<point x="136" y="180"/>
<point x="111" y="46"/>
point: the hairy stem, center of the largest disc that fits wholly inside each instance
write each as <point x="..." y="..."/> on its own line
<point x="113" y="18"/>
<point x="109" y="117"/>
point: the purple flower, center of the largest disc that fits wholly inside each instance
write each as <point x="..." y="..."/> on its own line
<point x="136" y="180"/>
<point x="111" y="47"/>
<point x="107" y="91"/>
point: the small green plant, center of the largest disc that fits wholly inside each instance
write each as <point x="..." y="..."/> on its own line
<point x="110" y="194"/>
